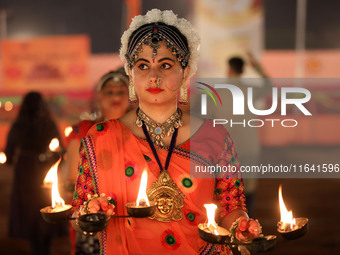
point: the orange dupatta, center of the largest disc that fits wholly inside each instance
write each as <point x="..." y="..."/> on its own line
<point x="115" y="153"/>
<point x="112" y="160"/>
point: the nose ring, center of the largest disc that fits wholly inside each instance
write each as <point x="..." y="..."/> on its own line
<point x="158" y="81"/>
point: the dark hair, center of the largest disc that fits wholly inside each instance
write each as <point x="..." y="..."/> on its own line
<point x="237" y="64"/>
<point x="33" y="108"/>
<point x="34" y="127"/>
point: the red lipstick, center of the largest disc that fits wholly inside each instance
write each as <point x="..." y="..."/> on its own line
<point x="154" y="90"/>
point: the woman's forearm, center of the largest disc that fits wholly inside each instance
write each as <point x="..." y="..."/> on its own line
<point x="231" y="217"/>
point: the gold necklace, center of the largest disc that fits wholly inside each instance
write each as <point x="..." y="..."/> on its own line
<point x="164" y="191"/>
<point x="156" y="130"/>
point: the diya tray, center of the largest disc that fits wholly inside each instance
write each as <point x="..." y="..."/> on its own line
<point x="260" y="244"/>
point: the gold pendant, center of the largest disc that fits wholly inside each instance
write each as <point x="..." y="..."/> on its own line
<point x="167" y="197"/>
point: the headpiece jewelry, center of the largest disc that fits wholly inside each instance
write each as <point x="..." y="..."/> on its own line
<point x="159" y="30"/>
<point x="115" y="77"/>
<point x="152" y="34"/>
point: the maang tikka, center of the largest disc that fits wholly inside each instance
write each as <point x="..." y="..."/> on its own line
<point x="152" y="34"/>
<point x="154" y="41"/>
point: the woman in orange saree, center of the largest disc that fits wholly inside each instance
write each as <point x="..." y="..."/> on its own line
<point x="110" y="101"/>
<point x="161" y="53"/>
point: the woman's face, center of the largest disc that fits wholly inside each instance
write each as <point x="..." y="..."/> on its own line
<point x="113" y="99"/>
<point x="165" y="68"/>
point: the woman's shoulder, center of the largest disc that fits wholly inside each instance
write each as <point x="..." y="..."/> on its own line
<point x="203" y="131"/>
<point x="104" y="127"/>
<point x="82" y="127"/>
<point x="123" y="125"/>
<point x="85" y="123"/>
<point x="207" y="127"/>
<point x="195" y="121"/>
<point x="128" y="118"/>
<point x="209" y="140"/>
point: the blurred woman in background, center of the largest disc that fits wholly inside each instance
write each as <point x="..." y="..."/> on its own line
<point x="110" y="102"/>
<point x="28" y="150"/>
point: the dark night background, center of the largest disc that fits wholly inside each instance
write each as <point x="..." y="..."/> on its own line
<point x="102" y="20"/>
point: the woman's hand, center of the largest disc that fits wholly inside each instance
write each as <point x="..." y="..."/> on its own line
<point x="247" y="229"/>
<point x="100" y="204"/>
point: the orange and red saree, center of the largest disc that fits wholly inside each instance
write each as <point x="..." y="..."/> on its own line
<point x="112" y="161"/>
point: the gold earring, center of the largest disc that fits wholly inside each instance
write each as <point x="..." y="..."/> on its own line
<point x="132" y="93"/>
<point x="183" y="94"/>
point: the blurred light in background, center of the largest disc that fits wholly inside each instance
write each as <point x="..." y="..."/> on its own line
<point x="8" y="106"/>
<point x="68" y="131"/>
<point x="54" y="144"/>
<point x="3" y="158"/>
<point x="24" y="34"/>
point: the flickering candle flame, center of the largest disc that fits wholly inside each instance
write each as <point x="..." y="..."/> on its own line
<point x="3" y="158"/>
<point x="52" y="177"/>
<point x="288" y="222"/>
<point x="68" y="131"/>
<point x="142" y="198"/>
<point x="54" y="144"/>
<point x="211" y="225"/>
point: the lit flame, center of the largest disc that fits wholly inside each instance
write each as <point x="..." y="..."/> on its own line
<point x="68" y="131"/>
<point x="3" y="158"/>
<point x="211" y="225"/>
<point x="54" y="144"/>
<point x="52" y="177"/>
<point x="286" y="217"/>
<point x="142" y="198"/>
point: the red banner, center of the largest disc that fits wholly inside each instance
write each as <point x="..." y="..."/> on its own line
<point x="133" y="9"/>
<point x="46" y="63"/>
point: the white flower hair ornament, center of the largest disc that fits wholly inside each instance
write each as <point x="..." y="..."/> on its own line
<point x="152" y="28"/>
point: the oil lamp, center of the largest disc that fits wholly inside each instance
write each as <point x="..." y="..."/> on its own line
<point x="92" y="223"/>
<point x="142" y="207"/>
<point x="210" y="231"/>
<point x="290" y="228"/>
<point x="59" y="211"/>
